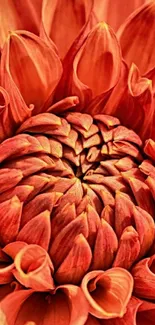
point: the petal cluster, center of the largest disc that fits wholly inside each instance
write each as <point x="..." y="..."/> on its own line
<point x="77" y="164"/>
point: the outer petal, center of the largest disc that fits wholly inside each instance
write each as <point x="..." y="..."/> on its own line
<point x="137" y="35"/>
<point x="115" y="12"/>
<point x="101" y="52"/>
<point x="62" y="21"/>
<point x="132" y="94"/>
<point x="76" y="306"/>
<point x="44" y="309"/>
<point x="130" y="316"/>
<point x="6" y="127"/>
<point x="29" y="75"/>
<point x="108" y="293"/>
<point x="18" y="14"/>
<point x="19" y="300"/>
<point x="146" y="313"/>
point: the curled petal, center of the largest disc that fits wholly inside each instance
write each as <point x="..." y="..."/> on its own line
<point x="144" y="278"/>
<point x="6" y="126"/>
<point x="12" y="249"/>
<point x="131" y="316"/>
<point x="37" y="71"/>
<point x="108" y="293"/>
<point x="64" y="104"/>
<point x="34" y="268"/>
<point x="144" y="20"/>
<point x="132" y="93"/>
<point x="70" y="14"/>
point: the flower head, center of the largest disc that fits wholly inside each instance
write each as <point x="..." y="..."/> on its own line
<point x="77" y="154"/>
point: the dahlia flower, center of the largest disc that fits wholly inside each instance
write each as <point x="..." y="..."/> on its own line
<point x="77" y="154"/>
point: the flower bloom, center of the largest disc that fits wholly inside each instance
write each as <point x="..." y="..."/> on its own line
<point x="77" y="154"/>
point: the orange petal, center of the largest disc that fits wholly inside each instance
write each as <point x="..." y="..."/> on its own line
<point x="142" y="19"/>
<point x="9" y="178"/>
<point x="63" y="242"/>
<point x="16" y="299"/>
<point x="131" y="316"/>
<point x="114" y="13"/>
<point x="146" y="313"/>
<point x="74" y="307"/>
<point x="73" y="14"/>
<point x="76" y="263"/>
<point x="129" y="242"/>
<point x="141" y="190"/>
<point x="92" y="321"/>
<point x="62" y="218"/>
<point x="20" y="85"/>
<point x="14" y="16"/>
<point x="37" y="230"/>
<point x="100" y="51"/>
<point x="106" y="245"/>
<point x="145" y="227"/>
<point x="6" y="274"/>
<point x="6" y="125"/>
<point x="33" y="268"/>
<point x="149" y="148"/>
<point x="108" y="292"/>
<point x="11" y="211"/>
<point x="132" y="94"/>
<point x="41" y="202"/>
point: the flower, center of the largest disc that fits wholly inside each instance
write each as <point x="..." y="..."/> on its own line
<point x="77" y="154"/>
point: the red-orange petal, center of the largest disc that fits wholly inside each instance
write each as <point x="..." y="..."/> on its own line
<point x="142" y="20"/>
<point x="76" y="263"/>
<point x="36" y="77"/>
<point x="70" y="14"/>
<point x="144" y="278"/>
<point x="18" y="14"/>
<point x="37" y="230"/>
<point x="100" y="51"/>
<point x="10" y="212"/>
<point x="115" y="12"/>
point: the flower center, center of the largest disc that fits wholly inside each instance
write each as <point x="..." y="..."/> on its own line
<point x="72" y="180"/>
